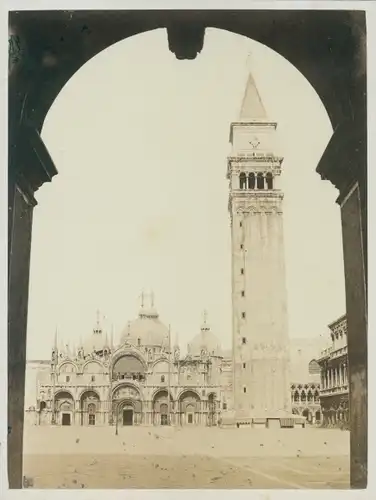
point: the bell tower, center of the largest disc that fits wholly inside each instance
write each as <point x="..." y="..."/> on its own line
<point x="259" y="299"/>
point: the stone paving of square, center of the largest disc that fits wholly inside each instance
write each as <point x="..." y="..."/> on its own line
<point x="164" y="457"/>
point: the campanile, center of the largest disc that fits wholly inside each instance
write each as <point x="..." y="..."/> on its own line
<point x="260" y="341"/>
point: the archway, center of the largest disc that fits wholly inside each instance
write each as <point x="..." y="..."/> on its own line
<point x="90" y="408"/>
<point x="127" y="407"/>
<point x="343" y="163"/>
<point x="63" y="412"/>
<point x="128" y="367"/>
<point x="307" y="414"/>
<point x="189" y="408"/>
<point x="162" y="408"/>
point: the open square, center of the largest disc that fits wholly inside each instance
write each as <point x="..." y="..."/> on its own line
<point x="166" y="457"/>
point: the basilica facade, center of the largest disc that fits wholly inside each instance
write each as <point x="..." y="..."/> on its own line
<point x="141" y="381"/>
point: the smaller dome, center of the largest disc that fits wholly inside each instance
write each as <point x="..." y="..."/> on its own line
<point x="205" y="340"/>
<point x="96" y="341"/>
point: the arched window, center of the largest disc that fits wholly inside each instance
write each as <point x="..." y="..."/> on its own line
<point x="162" y="378"/>
<point x="251" y="181"/>
<point x="260" y="181"/>
<point x="316" y="396"/>
<point x="296" y="396"/>
<point x="303" y="397"/>
<point x="310" y="397"/>
<point x="242" y="181"/>
<point x="91" y="408"/>
<point x="42" y="405"/>
<point x="269" y="180"/>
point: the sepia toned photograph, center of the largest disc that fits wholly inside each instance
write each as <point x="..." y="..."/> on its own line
<point x="187" y="249"/>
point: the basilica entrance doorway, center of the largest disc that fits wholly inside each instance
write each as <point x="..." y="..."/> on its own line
<point x="66" y="419"/>
<point x="127" y="416"/>
<point x="164" y="414"/>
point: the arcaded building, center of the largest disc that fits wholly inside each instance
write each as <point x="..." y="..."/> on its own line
<point x="334" y="393"/>
<point x="129" y="383"/>
<point x="305" y="378"/>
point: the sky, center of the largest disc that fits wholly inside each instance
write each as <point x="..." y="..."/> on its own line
<point x="141" y="141"/>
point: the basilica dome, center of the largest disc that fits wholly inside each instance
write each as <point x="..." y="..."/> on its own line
<point x="97" y="340"/>
<point x="146" y="330"/>
<point x="205" y="340"/>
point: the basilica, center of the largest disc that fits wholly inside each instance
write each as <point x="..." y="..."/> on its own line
<point x="143" y="380"/>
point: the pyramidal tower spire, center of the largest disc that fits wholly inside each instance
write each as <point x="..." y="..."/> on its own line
<point x="252" y="107"/>
<point x="259" y="297"/>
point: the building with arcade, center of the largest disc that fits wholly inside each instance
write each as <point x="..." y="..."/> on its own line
<point x="142" y="380"/>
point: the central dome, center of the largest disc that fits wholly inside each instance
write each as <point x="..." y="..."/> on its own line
<point x="146" y="330"/>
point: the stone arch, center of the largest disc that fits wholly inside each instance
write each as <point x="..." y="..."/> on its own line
<point x="87" y="390"/>
<point x="162" y="407"/>
<point x="183" y="391"/>
<point x="63" y="408"/>
<point x="122" y="390"/>
<point x="128" y="366"/>
<point x="63" y="393"/>
<point x="31" y="103"/>
<point x="93" y="362"/>
<point x="161" y="361"/>
<point x="189" y="407"/>
<point x="63" y="368"/>
<point x="161" y="389"/>
<point x="89" y="397"/>
<point x="127" y="398"/>
<point x="307" y="413"/>
<point x="296" y="396"/>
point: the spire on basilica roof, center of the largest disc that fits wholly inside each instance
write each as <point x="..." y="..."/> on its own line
<point x="252" y="107"/>
<point x="55" y="339"/>
<point x="147" y="305"/>
<point x="205" y="326"/>
<point x="98" y="327"/>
